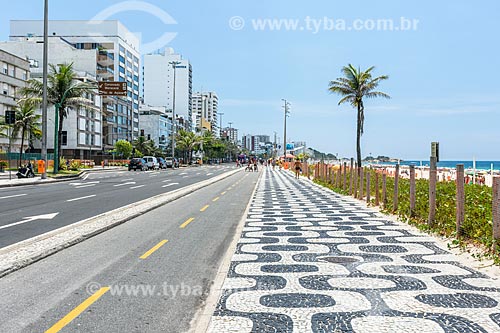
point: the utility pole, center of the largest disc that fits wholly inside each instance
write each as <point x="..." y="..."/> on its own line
<point x="44" y="83"/>
<point x="284" y="131"/>
<point x="174" y="122"/>
<point x="220" y="126"/>
<point x="230" y="139"/>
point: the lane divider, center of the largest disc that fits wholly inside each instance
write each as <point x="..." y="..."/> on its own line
<point x="77" y="311"/>
<point x="182" y="226"/>
<point x="215" y="199"/>
<point x="204" y="208"/>
<point x="153" y="249"/>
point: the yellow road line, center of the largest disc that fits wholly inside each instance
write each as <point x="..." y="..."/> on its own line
<point x="182" y="226"/>
<point x="153" y="249"/>
<point x="223" y="193"/>
<point x="204" y="208"/>
<point x="215" y="199"/>
<point x="76" y="311"/>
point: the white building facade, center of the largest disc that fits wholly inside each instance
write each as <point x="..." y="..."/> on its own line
<point x="158" y="87"/>
<point x="82" y="129"/>
<point x="118" y="59"/>
<point x="14" y="72"/>
<point x="205" y="112"/>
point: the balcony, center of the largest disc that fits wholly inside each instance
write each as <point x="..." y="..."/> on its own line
<point x="105" y="73"/>
<point x="105" y="60"/>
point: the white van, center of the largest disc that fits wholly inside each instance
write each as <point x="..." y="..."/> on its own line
<point x="152" y="162"/>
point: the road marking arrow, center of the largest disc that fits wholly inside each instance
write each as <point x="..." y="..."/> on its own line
<point x="31" y="218"/>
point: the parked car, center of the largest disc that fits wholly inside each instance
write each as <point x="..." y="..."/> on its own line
<point x="152" y="162"/>
<point x="163" y="163"/>
<point x="137" y="164"/>
<point x="172" y="162"/>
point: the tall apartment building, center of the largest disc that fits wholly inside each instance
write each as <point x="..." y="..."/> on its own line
<point x="118" y="60"/>
<point x="158" y="87"/>
<point x="257" y="144"/>
<point x="230" y="133"/>
<point x="14" y="71"/>
<point x="205" y="107"/>
<point x="82" y="129"/>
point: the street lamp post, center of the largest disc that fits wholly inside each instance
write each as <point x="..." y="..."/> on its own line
<point x="44" y="83"/>
<point x="174" y="66"/>
<point x="230" y="139"/>
<point x="284" y="131"/>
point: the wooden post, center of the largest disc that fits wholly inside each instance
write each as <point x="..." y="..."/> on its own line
<point x="339" y="179"/>
<point x="496" y="211"/>
<point x="460" y="214"/>
<point x="355" y="193"/>
<point x="361" y="183"/>
<point x="384" y="190"/>
<point x="432" y="191"/>
<point x="396" y="189"/>
<point x="368" y="190"/>
<point x="377" y="197"/>
<point x="344" y="186"/>
<point x="351" y="176"/>
<point x="412" y="191"/>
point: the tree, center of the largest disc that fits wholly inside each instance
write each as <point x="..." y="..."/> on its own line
<point x="63" y="89"/>
<point x="353" y="87"/>
<point x="187" y="141"/>
<point x="27" y="124"/>
<point x="123" y="148"/>
<point x="144" y="146"/>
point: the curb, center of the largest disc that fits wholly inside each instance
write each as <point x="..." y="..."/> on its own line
<point x="27" y="252"/>
<point x="56" y="180"/>
<point x="203" y="317"/>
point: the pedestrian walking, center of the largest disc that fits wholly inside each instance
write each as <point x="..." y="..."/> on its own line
<point x="298" y="168"/>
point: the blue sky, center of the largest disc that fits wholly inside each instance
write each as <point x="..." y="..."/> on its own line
<point x="443" y="75"/>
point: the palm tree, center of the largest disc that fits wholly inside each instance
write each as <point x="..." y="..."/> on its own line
<point x="27" y="123"/>
<point x="354" y="86"/>
<point x="63" y="90"/>
<point x="144" y="146"/>
<point x="187" y="141"/>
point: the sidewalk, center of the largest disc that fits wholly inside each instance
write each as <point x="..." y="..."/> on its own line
<point x="310" y="260"/>
<point x="6" y="182"/>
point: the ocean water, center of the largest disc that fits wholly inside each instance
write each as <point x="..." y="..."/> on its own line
<point x="480" y="165"/>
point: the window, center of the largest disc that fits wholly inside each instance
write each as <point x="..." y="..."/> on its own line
<point x="12" y="71"/>
<point x="25" y="75"/>
<point x="64" y="138"/>
<point x="5" y="89"/>
<point x="5" y="69"/>
<point x="122" y="70"/>
<point x="122" y="59"/>
<point x="122" y="49"/>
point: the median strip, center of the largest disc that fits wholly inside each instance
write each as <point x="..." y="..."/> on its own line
<point x="77" y="311"/>
<point x="204" y="208"/>
<point x="153" y="249"/>
<point x="182" y="226"/>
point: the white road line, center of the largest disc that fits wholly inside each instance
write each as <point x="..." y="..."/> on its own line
<point x="82" y="186"/>
<point x="208" y="174"/>
<point x="123" y="184"/>
<point x="13" y="196"/>
<point x="172" y="184"/>
<point x="88" y="196"/>
<point x="166" y="180"/>
<point x="185" y="176"/>
<point x="184" y="173"/>
<point x="124" y="180"/>
<point x="85" y="177"/>
<point x="199" y="173"/>
<point x="134" y="187"/>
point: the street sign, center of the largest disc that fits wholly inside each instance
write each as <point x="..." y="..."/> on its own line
<point x="113" y="88"/>
<point x="10" y="117"/>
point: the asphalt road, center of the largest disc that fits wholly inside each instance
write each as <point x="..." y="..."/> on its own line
<point x="83" y="198"/>
<point x="198" y="229"/>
